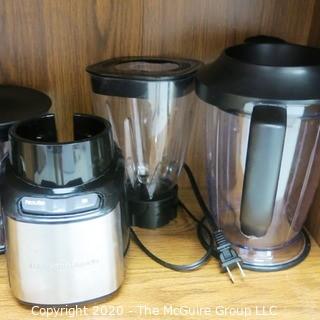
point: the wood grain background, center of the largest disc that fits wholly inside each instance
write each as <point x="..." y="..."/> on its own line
<point x="46" y="44"/>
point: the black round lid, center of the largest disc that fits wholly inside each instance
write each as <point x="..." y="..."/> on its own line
<point x="273" y="73"/>
<point x="37" y="156"/>
<point x="131" y="76"/>
<point x="20" y="103"/>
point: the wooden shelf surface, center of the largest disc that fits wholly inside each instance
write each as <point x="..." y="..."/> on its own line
<point x="150" y="289"/>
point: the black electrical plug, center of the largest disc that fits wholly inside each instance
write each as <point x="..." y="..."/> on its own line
<point x="226" y="255"/>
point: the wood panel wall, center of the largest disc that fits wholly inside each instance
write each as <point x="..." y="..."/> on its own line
<point x="46" y="44"/>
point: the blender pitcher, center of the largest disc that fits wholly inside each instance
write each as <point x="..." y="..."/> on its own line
<point x="263" y="158"/>
<point x="148" y="101"/>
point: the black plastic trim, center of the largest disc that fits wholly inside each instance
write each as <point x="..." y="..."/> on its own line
<point x="37" y="157"/>
<point x="154" y="213"/>
<point x="268" y="73"/>
<point x="106" y="79"/>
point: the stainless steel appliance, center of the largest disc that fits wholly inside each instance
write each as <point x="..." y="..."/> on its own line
<point x="64" y="212"/>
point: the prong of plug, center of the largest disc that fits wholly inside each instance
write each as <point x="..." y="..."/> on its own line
<point x="230" y="275"/>
<point x="241" y="270"/>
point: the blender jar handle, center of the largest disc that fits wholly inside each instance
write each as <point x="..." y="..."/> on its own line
<point x="262" y="170"/>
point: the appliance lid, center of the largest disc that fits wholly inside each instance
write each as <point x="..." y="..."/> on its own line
<point x="269" y="73"/>
<point x="20" y="103"/>
<point x="132" y="76"/>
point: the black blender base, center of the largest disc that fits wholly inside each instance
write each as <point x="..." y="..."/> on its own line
<point x="286" y="265"/>
<point x="153" y="214"/>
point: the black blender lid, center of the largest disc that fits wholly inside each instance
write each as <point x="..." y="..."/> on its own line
<point x="131" y="76"/>
<point x="20" y="103"/>
<point x="270" y="73"/>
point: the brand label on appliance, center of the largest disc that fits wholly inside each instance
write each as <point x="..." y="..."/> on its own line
<point x="30" y="202"/>
<point x="64" y="265"/>
<point x="75" y="204"/>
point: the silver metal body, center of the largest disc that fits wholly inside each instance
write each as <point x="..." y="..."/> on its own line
<point x="65" y="263"/>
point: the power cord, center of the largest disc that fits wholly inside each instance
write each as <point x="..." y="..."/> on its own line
<point x="184" y="267"/>
<point x="211" y="237"/>
<point x="224" y="252"/>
